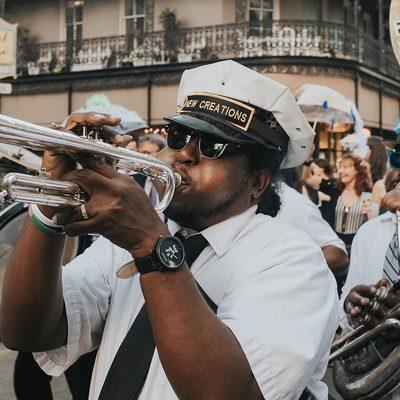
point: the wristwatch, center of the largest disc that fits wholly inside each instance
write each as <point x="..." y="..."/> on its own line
<point x="168" y="255"/>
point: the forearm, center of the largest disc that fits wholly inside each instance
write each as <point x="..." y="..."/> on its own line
<point x="200" y="355"/>
<point x="31" y="310"/>
<point x="336" y="258"/>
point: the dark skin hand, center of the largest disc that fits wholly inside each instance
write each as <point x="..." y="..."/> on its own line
<point x="358" y="298"/>
<point x="391" y="200"/>
<point x="120" y="210"/>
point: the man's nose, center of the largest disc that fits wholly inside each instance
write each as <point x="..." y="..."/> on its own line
<point x="190" y="154"/>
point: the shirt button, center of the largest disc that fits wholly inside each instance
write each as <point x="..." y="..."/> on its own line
<point x="184" y="233"/>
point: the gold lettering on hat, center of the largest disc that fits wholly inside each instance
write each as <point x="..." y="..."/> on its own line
<point x="223" y="109"/>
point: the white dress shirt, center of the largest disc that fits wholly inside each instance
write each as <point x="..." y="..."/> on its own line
<point x="368" y="253"/>
<point x="302" y="213"/>
<point x="270" y="282"/>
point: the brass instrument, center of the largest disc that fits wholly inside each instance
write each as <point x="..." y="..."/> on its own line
<point x="366" y="361"/>
<point x="42" y="190"/>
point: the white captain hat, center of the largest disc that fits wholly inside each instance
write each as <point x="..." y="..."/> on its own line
<point x="237" y="104"/>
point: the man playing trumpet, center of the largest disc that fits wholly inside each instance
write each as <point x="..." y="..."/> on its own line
<point x="255" y="314"/>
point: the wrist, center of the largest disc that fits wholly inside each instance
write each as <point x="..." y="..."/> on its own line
<point x="48" y="212"/>
<point x="145" y="247"/>
<point x="167" y="255"/>
<point x="43" y="223"/>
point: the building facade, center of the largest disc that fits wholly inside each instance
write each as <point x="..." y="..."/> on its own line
<point x="134" y="51"/>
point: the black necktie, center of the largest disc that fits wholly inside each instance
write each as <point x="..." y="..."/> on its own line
<point x="131" y="364"/>
<point x="194" y="245"/>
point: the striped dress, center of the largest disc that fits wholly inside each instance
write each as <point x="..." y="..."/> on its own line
<point x="348" y="219"/>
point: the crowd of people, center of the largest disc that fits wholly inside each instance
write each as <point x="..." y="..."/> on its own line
<point x="349" y="192"/>
<point x="259" y="221"/>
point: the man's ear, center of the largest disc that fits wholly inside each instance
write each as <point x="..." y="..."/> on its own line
<point x="261" y="181"/>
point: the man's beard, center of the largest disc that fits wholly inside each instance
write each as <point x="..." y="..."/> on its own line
<point x="201" y="218"/>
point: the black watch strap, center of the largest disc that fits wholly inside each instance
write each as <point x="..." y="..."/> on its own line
<point x="148" y="264"/>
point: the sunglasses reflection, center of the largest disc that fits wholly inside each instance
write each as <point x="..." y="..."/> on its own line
<point x="179" y="137"/>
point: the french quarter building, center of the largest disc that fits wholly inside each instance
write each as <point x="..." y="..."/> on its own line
<point x="135" y="51"/>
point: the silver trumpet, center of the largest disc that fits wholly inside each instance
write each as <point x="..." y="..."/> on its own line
<point x="42" y="190"/>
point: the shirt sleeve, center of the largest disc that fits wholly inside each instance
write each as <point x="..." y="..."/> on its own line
<point x="87" y="284"/>
<point x="284" y="316"/>
<point x="321" y="232"/>
<point x="354" y="276"/>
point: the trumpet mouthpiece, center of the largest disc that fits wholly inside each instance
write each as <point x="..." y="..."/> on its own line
<point x="178" y="179"/>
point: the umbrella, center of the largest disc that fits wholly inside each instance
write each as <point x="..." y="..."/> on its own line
<point x="356" y="142"/>
<point x="130" y="120"/>
<point x="323" y="104"/>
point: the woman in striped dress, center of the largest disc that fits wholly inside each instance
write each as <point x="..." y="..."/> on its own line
<point x="350" y="213"/>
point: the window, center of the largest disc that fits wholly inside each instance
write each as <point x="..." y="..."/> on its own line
<point x="260" y="17"/>
<point x="134" y="21"/>
<point x="77" y="22"/>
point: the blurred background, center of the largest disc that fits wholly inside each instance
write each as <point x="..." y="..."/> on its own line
<point x="134" y="51"/>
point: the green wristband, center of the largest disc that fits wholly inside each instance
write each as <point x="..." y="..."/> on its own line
<point x="46" y="229"/>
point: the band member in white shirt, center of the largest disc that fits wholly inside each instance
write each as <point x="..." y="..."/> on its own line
<point x="251" y="319"/>
<point x="368" y="265"/>
<point x="302" y="213"/>
<point x="368" y="260"/>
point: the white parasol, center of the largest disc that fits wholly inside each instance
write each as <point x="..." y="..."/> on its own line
<point x="323" y="104"/>
<point x="356" y="142"/>
<point x="130" y="120"/>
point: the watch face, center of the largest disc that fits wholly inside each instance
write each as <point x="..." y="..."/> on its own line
<point x="170" y="252"/>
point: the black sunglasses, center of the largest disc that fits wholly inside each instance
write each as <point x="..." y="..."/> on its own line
<point x="178" y="137"/>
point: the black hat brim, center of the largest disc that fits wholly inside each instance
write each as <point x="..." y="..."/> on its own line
<point x="199" y="124"/>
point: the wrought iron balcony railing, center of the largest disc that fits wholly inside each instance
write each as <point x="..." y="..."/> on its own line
<point x="282" y="38"/>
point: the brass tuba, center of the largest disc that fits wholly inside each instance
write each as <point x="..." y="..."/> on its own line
<point x="43" y="190"/>
<point x="366" y="362"/>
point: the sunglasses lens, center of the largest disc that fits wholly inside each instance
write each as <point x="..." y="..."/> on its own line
<point x="394" y="159"/>
<point x="177" y="137"/>
<point x="210" y="148"/>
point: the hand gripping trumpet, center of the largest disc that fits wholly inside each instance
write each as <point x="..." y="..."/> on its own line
<point x="42" y="190"/>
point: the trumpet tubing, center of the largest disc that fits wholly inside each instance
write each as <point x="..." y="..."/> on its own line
<point x="40" y="190"/>
<point x="26" y="188"/>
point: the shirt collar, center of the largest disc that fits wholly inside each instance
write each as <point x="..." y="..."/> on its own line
<point x="220" y="236"/>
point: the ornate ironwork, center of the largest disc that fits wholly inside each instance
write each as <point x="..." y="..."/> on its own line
<point x="284" y="38"/>
<point x="149" y="17"/>
<point x="240" y="9"/>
